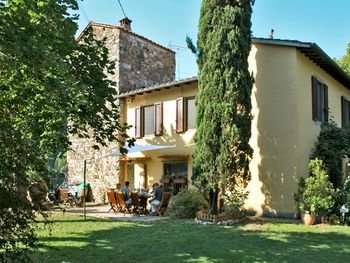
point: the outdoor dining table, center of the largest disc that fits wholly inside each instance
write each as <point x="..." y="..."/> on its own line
<point x="143" y="197"/>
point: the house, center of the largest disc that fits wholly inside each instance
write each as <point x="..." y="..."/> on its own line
<point x="140" y="62"/>
<point x="297" y="88"/>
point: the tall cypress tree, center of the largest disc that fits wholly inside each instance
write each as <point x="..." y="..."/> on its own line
<point x="222" y="152"/>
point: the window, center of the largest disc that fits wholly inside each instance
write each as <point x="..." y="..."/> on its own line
<point x="185" y="114"/>
<point x="191" y="113"/>
<point x="319" y="100"/>
<point x="345" y="112"/>
<point x="149" y="120"/>
<point x="148" y="117"/>
<point x="175" y="170"/>
<point x="176" y="173"/>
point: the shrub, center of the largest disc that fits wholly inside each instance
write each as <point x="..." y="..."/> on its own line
<point x="187" y="203"/>
<point x="318" y="192"/>
<point x="332" y="145"/>
<point x="345" y="192"/>
<point x="234" y="200"/>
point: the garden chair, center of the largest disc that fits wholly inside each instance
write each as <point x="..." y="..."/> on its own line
<point x="137" y="207"/>
<point x="162" y="207"/>
<point x="65" y="198"/>
<point x="112" y="201"/>
<point x="122" y="205"/>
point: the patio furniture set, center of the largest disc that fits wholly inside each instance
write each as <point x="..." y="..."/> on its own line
<point x="138" y="205"/>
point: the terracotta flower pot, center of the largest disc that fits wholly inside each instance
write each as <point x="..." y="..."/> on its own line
<point x="308" y="219"/>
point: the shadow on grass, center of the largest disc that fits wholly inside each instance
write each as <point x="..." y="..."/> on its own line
<point x="177" y="241"/>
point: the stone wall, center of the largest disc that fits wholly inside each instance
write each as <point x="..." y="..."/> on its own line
<point x="143" y="63"/>
<point x="101" y="172"/>
<point x="139" y="62"/>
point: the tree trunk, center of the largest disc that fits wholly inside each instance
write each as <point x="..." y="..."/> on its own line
<point x="213" y="202"/>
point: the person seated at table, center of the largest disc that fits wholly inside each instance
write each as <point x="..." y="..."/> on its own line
<point x="119" y="187"/>
<point x="127" y="193"/>
<point x="151" y="192"/>
<point x="157" y="193"/>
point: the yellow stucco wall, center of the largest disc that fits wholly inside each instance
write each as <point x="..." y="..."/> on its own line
<point x="274" y="133"/>
<point x="283" y="132"/>
<point x="183" y="141"/>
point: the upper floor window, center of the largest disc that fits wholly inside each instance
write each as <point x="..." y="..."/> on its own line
<point x="345" y="112"/>
<point x="149" y="120"/>
<point x="185" y="114"/>
<point x="191" y="113"/>
<point x="319" y="100"/>
<point x="148" y="117"/>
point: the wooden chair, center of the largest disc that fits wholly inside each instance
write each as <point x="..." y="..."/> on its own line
<point x="137" y="207"/>
<point x="122" y="205"/>
<point x="162" y="207"/>
<point x="112" y="201"/>
<point x="65" y="197"/>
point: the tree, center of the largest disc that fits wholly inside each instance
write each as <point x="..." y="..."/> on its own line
<point x="333" y="144"/>
<point x="344" y="61"/>
<point x="50" y="86"/>
<point x="222" y="151"/>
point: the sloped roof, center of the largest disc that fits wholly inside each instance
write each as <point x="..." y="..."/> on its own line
<point x="158" y="87"/>
<point x="92" y="23"/>
<point x="311" y="50"/>
<point x="315" y="54"/>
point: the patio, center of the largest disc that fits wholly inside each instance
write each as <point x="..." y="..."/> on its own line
<point x="101" y="211"/>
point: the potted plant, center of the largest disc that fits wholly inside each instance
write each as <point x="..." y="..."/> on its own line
<point x="315" y="193"/>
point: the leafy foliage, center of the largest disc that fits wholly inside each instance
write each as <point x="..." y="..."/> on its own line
<point x="332" y="145"/>
<point x="234" y="200"/>
<point x="187" y="203"/>
<point x="50" y="86"/>
<point x="346" y="191"/>
<point x="342" y="196"/>
<point x="223" y="125"/>
<point x="318" y="192"/>
<point x="344" y="61"/>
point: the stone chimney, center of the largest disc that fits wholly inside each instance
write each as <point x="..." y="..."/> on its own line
<point x="125" y="23"/>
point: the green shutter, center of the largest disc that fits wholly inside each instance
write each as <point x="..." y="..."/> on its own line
<point x="326" y="109"/>
<point x="314" y="98"/>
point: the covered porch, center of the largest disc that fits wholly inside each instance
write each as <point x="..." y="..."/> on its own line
<point x="149" y="164"/>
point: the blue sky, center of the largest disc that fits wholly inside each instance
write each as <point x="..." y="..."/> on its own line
<point x="169" y="21"/>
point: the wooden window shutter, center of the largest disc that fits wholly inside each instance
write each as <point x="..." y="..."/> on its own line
<point x="180" y="115"/>
<point x="344" y="114"/>
<point x="138" y="122"/>
<point x="314" y="98"/>
<point x="158" y="118"/>
<point x="326" y="110"/>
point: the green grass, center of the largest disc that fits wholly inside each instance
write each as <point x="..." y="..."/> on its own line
<point x="73" y="240"/>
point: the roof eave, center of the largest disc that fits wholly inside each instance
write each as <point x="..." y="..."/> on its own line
<point x="158" y="87"/>
<point x="315" y="54"/>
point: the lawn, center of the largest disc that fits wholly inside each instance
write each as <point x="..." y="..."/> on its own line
<point x="73" y="240"/>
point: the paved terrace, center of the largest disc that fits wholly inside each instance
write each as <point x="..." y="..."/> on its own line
<point x="101" y="211"/>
